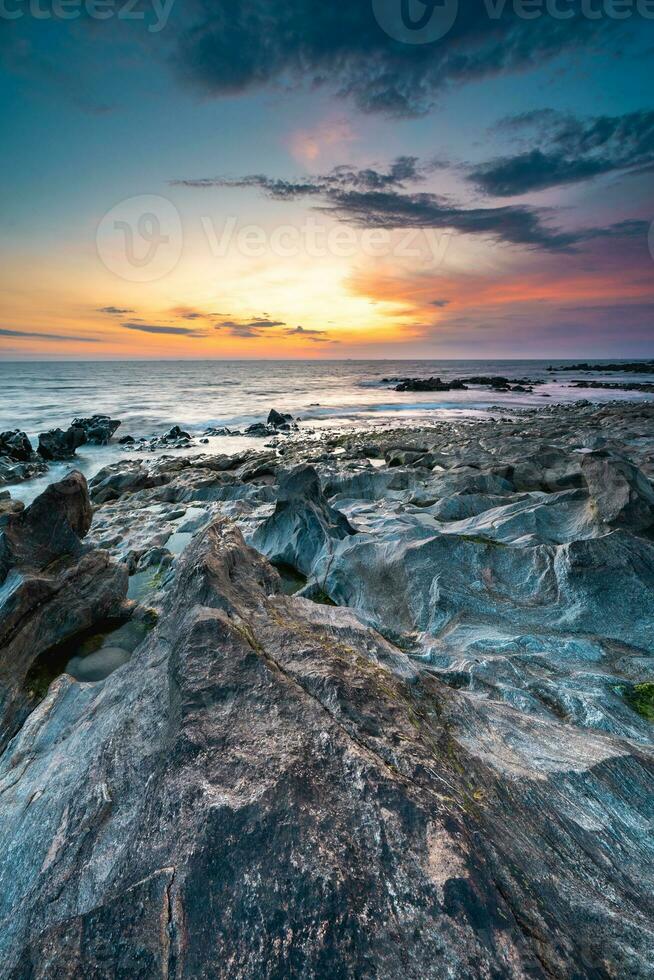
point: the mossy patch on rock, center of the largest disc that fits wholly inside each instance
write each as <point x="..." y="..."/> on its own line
<point x="641" y="698"/>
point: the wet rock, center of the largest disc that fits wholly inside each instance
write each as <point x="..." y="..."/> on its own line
<point x="623" y="496"/>
<point x="16" y="446"/>
<point x="261" y="752"/>
<point x="174" y="434"/>
<point x="18" y="461"/>
<point x="52" y="588"/>
<point x="303" y="525"/>
<point x="279" y="420"/>
<point x="59" y="445"/>
<point x="258" y="430"/>
<point x="98" y="430"/>
<point x="550" y="469"/>
<point x="9" y="506"/>
<point x="114" y="481"/>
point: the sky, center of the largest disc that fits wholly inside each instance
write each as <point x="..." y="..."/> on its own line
<point x="376" y="179"/>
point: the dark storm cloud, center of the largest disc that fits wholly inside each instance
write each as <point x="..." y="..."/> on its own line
<point x="566" y="150"/>
<point x="5" y="332"/>
<point x="153" y="328"/>
<point x="227" y="48"/>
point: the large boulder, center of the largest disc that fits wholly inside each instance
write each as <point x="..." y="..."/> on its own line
<point x="16" y="445"/>
<point x="303" y="525"/>
<point x="98" y="429"/>
<point x="57" y="444"/>
<point x="620" y="492"/>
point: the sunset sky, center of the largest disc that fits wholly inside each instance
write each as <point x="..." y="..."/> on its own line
<point x="293" y="179"/>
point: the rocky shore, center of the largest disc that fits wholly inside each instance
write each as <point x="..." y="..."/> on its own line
<point x="370" y="705"/>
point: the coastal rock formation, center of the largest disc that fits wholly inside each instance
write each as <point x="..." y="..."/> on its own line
<point x="303" y="526"/>
<point x="57" y="444"/>
<point x="51" y="588"/>
<point x="261" y="752"/>
<point x="16" y="445"/>
<point x="18" y="461"/>
<point x="623" y="496"/>
<point x="434" y="759"/>
<point x="98" y="429"/>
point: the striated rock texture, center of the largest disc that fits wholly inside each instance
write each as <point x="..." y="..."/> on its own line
<point x="52" y="588"/>
<point x="270" y="789"/>
<point x="445" y="770"/>
<point x="303" y="525"/>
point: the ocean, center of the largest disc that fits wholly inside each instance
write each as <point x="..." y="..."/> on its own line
<point x="150" y="396"/>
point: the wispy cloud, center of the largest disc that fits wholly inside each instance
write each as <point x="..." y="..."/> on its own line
<point x="372" y="198"/>
<point x="114" y="311"/>
<point x="41" y="335"/>
<point x="165" y="330"/>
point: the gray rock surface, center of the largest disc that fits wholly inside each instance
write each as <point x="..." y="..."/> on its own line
<point x="52" y="588"/>
<point x="442" y="775"/>
<point x="268" y="788"/>
<point x="303" y="526"/>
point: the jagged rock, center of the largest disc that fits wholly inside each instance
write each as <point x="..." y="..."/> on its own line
<point x="9" y="506"/>
<point x="98" y="430"/>
<point x="261" y="753"/>
<point x="114" y="481"/>
<point x="278" y="420"/>
<point x="59" y="445"/>
<point x="304" y="525"/>
<point x="174" y="434"/>
<point x="53" y="588"/>
<point x="258" y="430"/>
<point x="18" y="461"/>
<point x="550" y="470"/>
<point x="623" y="496"/>
<point x="13" y="472"/>
<point x="15" y="445"/>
